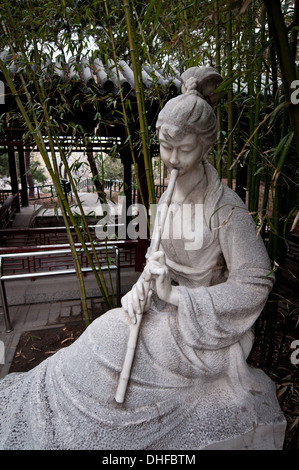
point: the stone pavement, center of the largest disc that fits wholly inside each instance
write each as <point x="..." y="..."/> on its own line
<point x="35" y="305"/>
<point x="89" y="201"/>
<point x="45" y="309"/>
<point x="40" y="316"/>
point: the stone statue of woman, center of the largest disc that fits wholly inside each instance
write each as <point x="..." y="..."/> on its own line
<point x="190" y="385"/>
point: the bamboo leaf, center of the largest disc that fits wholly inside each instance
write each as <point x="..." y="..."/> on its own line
<point x="157" y="15"/>
<point x="270" y="115"/>
<point x="280" y="146"/>
<point x="187" y="7"/>
<point x="226" y="84"/>
<point x="149" y="10"/>
<point x="283" y="156"/>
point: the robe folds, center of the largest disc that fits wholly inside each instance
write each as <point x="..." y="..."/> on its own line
<point x="190" y="383"/>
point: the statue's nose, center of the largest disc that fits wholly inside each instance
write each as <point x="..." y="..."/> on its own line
<point x="174" y="159"/>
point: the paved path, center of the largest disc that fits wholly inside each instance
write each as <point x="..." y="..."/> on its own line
<point x="40" y="316"/>
<point x="37" y="314"/>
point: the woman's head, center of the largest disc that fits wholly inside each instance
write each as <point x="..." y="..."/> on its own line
<point x="192" y="112"/>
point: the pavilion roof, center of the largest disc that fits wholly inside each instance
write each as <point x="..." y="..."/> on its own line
<point x="104" y="74"/>
<point x="93" y="75"/>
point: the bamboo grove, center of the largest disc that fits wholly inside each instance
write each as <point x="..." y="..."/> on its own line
<point x="252" y="43"/>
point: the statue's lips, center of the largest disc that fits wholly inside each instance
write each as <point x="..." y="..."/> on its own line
<point x="174" y="168"/>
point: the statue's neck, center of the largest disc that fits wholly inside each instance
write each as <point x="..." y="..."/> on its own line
<point x="186" y="183"/>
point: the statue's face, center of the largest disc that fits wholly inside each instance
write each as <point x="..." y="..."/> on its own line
<point x="184" y="154"/>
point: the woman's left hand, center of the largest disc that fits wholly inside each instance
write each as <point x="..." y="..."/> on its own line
<point x="157" y="270"/>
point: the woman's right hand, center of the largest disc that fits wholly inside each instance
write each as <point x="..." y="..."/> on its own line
<point x="138" y="299"/>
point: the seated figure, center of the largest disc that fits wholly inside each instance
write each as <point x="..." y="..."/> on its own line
<point x="190" y="385"/>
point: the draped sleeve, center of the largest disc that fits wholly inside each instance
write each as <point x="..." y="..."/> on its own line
<point x="218" y="316"/>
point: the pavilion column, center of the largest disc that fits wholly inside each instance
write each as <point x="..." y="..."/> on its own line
<point x="126" y="160"/>
<point x="29" y="177"/>
<point x="14" y="175"/>
<point x="23" y="176"/>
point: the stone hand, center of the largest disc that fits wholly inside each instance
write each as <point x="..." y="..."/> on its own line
<point x="138" y="299"/>
<point x="157" y="270"/>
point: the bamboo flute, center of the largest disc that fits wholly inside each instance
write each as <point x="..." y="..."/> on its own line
<point x="134" y="330"/>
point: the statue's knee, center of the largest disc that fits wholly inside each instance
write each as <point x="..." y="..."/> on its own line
<point x="115" y="315"/>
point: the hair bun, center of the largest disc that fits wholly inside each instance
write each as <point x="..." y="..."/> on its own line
<point x="202" y="81"/>
<point x="191" y="87"/>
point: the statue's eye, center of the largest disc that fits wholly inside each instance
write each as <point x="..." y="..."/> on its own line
<point x="165" y="147"/>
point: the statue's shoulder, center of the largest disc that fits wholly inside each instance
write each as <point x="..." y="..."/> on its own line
<point x="218" y="191"/>
<point x="232" y="198"/>
<point x="223" y="205"/>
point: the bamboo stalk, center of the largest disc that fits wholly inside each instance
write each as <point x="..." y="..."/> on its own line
<point x="218" y="68"/>
<point x="140" y="104"/>
<point x="76" y="261"/>
<point x="254" y="177"/>
<point x="285" y="57"/>
<point x="276" y="245"/>
<point x="229" y="40"/>
<point x="101" y="282"/>
<point x="183" y="21"/>
<point x="144" y="40"/>
<point x="44" y="155"/>
<point x="126" y="121"/>
<point x="60" y="193"/>
<point x="252" y="115"/>
<point x="64" y="202"/>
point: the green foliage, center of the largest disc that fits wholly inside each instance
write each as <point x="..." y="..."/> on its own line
<point x="110" y="167"/>
<point x="38" y="173"/>
<point x="4" y="167"/>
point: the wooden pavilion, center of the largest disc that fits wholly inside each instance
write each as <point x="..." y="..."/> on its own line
<point x="91" y="103"/>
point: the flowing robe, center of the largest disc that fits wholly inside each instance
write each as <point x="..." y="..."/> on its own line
<point x="190" y="384"/>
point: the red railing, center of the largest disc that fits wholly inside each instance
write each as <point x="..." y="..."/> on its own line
<point x="52" y="263"/>
<point x="25" y="237"/>
<point x="131" y="252"/>
<point x="43" y="261"/>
